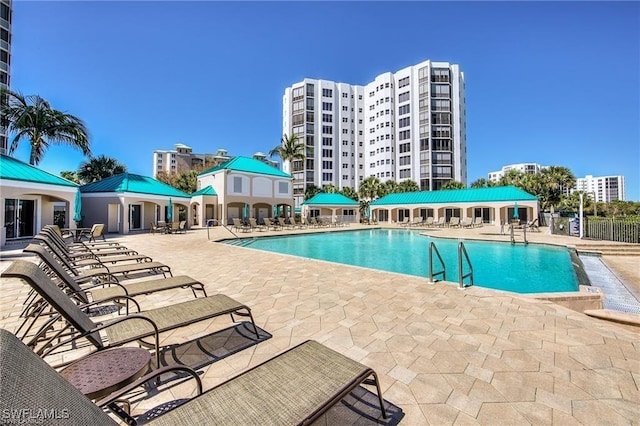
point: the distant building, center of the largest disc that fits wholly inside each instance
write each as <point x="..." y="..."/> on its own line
<point x="182" y="159"/>
<point x="5" y="59"/>
<point x="409" y="124"/>
<point x="530" y="168"/>
<point x="604" y="188"/>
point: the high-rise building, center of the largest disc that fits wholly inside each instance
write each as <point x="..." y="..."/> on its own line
<point x="404" y="125"/>
<point x="5" y="59"/>
<point x="530" y="168"/>
<point x="604" y="188"/>
<point x="182" y="159"/>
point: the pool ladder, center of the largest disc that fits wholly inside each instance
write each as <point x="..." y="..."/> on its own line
<point x="462" y="251"/>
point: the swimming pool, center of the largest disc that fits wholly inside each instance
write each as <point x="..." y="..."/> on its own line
<point x="519" y="268"/>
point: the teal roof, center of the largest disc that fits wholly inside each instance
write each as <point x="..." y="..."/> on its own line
<point x="335" y="199"/>
<point x="128" y="182"/>
<point x="13" y="169"/>
<point x="207" y="190"/>
<point x="250" y="165"/>
<point x="474" y="195"/>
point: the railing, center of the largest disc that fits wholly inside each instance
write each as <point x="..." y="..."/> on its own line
<point x="443" y="272"/>
<point x="621" y="230"/>
<point x="463" y="251"/>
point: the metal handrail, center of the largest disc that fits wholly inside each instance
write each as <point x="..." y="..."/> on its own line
<point x="462" y="250"/>
<point x="443" y="272"/>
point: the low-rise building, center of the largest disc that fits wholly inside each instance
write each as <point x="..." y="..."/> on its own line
<point x="246" y="187"/>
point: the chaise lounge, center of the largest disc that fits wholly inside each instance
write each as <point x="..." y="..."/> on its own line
<point x="295" y="387"/>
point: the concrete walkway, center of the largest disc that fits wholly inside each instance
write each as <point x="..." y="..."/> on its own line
<point x="444" y="356"/>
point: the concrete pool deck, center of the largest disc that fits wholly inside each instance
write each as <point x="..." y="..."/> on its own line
<point x="444" y="355"/>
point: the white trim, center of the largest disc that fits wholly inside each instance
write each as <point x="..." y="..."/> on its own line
<point x="35" y="185"/>
<point x="133" y="195"/>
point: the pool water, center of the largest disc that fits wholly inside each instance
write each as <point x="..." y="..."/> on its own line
<point x="519" y="268"/>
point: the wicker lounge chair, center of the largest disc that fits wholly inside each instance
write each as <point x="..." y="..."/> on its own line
<point x="295" y="387"/>
<point x="121" y="330"/>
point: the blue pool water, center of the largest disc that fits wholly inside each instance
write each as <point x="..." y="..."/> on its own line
<point x="518" y="268"/>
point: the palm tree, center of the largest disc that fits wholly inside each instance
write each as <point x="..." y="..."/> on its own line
<point x="555" y="180"/>
<point x="408" y="185"/>
<point x="98" y="168"/>
<point x="311" y="192"/>
<point x="369" y="188"/>
<point x="348" y="191"/>
<point x="329" y="188"/>
<point x="31" y="117"/>
<point x="453" y="184"/>
<point x="69" y="175"/>
<point x="387" y="187"/>
<point x="290" y="149"/>
<point x="481" y="183"/>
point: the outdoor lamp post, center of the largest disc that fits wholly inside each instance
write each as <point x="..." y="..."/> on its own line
<point x="580" y="215"/>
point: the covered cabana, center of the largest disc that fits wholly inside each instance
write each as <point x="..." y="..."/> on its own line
<point x="129" y="202"/>
<point x="334" y="207"/>
<point x="246" y="187"/>
<point x="495" y="205"/>
<point x="32" y="198"/>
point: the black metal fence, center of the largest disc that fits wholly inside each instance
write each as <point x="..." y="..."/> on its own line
<point x="621" y="230"/>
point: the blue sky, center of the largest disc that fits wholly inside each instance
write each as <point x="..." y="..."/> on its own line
<point x="557" y="83"/>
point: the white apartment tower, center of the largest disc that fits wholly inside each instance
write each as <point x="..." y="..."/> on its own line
<point x="404" y="125"/>
<point x="604" y="188"/>
<point x="529" y="168"/>
<point x="5" y="59"/>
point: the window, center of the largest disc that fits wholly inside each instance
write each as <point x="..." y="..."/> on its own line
<point x="345" y="177"/>
<point x="283" y="187"/>
<point x="404" y="109"/>
<point x="298" y="106"/>
<point x="327" y="141"/>
<point x="345" y="143"/>
<point x="345" y="154"/>
<point x="345" y="95"/>
<point x="405" y="160"/>
<point x="327" y="118"/>
<point x="327" y="176"/>
<point x="345" y="108"/>
<point x="360" y="97"/>
<point x="405" y="147"/>
<point x="327" y="129"/>
<point x="298" y="119"/>
<point x="440" y="90"/>
<point x="327" y="165"/>
<point x="424" y="144"/>
<point x="403" y="97"/>
<point x="327" y="106"/>
<point x="328" y="93"/>
<point x="298" y="93"/>
<point x="327" y="153"/>
<point x="310" y="89"/>
<point x="360" y="110"/>
<point x="345" y="165"/>
<point x="403" y="82"/>
<point x="441" y="105"/>
<point x="440" y="75"/>
<point x="404" y="122"/>
<point x="404" y="134"/>
<point x="345" y="120"/>
<point x="386" y="85"/>
<point x="345" y="131"/>
<point x="405" y="173"/>
<point x="237" y="184"/>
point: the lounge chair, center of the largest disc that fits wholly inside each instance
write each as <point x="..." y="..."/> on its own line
<point x="83" y="245"/>
<point x="441" y="222"/>
<point x="84" y="258"/>
<point x="254" y="224"/>
<point x="296" y="387"/>
<point x="533" y="225"/>
<point x="477" y="221"/>
<point x="428" y="222"/>
<point x="97" y="231"/>
<point x="239" y="226"/>
<point x="109" y="272"/>
<point x="121" y="330"/>
<point x="404" y="222"/>
<point x="466" y="223"/>
<point x="114" y="288"/>
<point x="283" y="224"/>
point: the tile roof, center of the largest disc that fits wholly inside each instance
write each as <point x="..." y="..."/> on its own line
<point x="473" y="195"/>
<point x="246" y="164"/>
<point x="129" y="182"/>
<point x="207" y="190"/>
<point x="13" y="169"/>
<point x="334" y="199"/>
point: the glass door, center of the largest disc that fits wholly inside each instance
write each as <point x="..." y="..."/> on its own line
<point x="135" y="216"/>
<point x="19" y="218"/>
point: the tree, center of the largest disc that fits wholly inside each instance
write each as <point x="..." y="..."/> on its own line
<point x="98" y="168"/>
<point x="69" y="175"/>
<point x="481" y="183"/>
<point x="290" y="149"/>
<point x="453" y="184"/>
<point x="351" y="193"/>
<point x="408" y="185"/>
<point x="554" y="181"/>
<point x="311" y="192"/>
<point x="369" y="188"/>
<point x="329" y="189"/>
<point x="387" y="187"/>
<point x="31" y="117"/>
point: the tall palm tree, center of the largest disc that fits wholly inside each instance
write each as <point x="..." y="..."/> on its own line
<point x="290" y="149"/>
<point x="481" y="183"/>
<point x="453" y="184"/>
<point x="329" y="188"/>
<point x="555" y="181"/>
<point x="311" y="192"/>
<point x="408" y="185"/>
<point x="369" y="188"/>
<point x="98" y="168"/>
<point x="348" y="191"/>
<point x="31" y="117"/>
